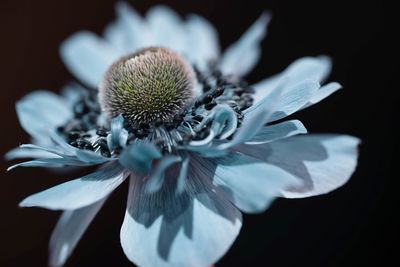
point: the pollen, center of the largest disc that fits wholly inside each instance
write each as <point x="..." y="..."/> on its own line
<point x="151" y="85"/>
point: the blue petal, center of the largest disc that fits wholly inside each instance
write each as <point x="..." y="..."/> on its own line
<point x="128" y="33"/>
<point x="80" y="192"/>
<point x="167" y="28"/>
<point x="156" y="178"/>
<point x="118" y="135"/>
<point x="315" y="68"/>
<point x="207" y="151"/>
<point x="255" y="118"/>
<point x="277" y="131"/>
<point x="91" y="158"/>
<point x="251" y="184"/>
<point x="223" y="124"/>
<point x="138" y="157"/>
<point x="323" y="93"/>
<point x="41" y="111"/>
<point x="183" y="173"/>
<point x="194" y="228"/>
<point x="242" y="56"/>
<point x="202" y="38"/>
<point x="321" y="163"/>
<point x="18" y="153"/>
<point x="69" y="230"/>
<point x="72" y="93"/>
<point x="294" y="98"/>
<point x="49" y="163"/>
<point x="88" y="57"/>
<point x="61" y="145"/>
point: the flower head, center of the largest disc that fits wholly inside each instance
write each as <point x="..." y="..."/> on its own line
<point x="149" y="86"/>
<point x="198" y="144"/>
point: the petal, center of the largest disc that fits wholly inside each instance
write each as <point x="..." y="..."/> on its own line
<point x="88" y="57"/>
<point x="156" y="179"/>
<point x="321" y="163"/>
<point x="80" y="192"/>
<point x="223" y="124"/>
<point x="69" y="230"/>
<point x="183" y="173"/>
<point x="118" y="135"/>
<point x="41" y="111"/>
<point x="166" y="229"/>
<point x="278" y="131"/>
<point x="208" y="151"/>
<point x="18" y="153"/>
<point x="167" y="28"/>
<point x="295" y="96"/>
<point x="255" y="118"/>
<point x="323" y="93"/>
<point x="202" y="38"/>
<point x="49" y="163"/>
<point x="138" y="158"/>
<point x="315" y="68"/>
<point x="129" y="32"/>
<point x="240" y="57"/>
<point x="72" y="93"/>
<point x="251" y="184"/>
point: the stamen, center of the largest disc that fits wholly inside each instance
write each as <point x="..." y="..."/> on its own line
<point x="150" y="86"/>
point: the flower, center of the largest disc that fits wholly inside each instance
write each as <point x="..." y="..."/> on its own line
<point x="162" y="107"/>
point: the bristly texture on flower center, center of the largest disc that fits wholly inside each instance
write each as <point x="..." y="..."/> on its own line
<point x="149" y="86"/>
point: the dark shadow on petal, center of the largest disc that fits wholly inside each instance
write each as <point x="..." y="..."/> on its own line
<point x="290" y="154"/>
<point x="176" y="209"/>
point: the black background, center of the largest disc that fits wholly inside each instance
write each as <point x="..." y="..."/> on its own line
<point x="353" y="226"/>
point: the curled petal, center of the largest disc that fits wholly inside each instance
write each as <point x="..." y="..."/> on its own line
<point x="255" y="119"/>
<point x="223" y="124"/>
<point x="156" y="178"/>
<point x="138" y="158"/>
<point x="118" y="135"/>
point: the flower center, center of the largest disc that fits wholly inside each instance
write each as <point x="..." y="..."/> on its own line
<point x="149" y="86"/>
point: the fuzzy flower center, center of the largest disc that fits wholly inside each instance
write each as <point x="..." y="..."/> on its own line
<point x="149" y="86"/>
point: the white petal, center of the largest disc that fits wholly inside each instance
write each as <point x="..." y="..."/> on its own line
<point x="167" y="28"/>
<point x="18" y="153"/>
<point x="194" y="228"/>
<point x="129" y="32"/>
<point x="294" y="97"/>
<point x="321" y="162"/>
<point x="315" y="68"/>
<point x="88" y="57"/>
<point x="42" y="111"/>
<point x="251" y="184"/>
<point x="69" y="230"/>
<point x="240" y="57"/>
<point x="323" y="93"/>
<point x="202" y="41"/>
<point x="278" y="131"/>
<point x="80" y="192"/>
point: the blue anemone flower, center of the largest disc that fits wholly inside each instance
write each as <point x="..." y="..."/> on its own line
<point x="160" y="106"/>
